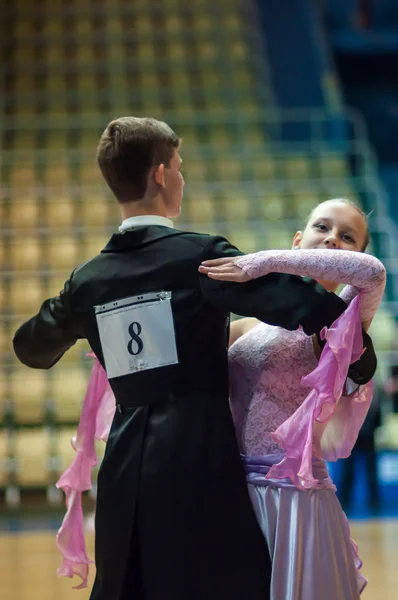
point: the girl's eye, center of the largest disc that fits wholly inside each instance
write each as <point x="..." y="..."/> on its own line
<point x="321" y="227"/>
<point x="349" y="239"/>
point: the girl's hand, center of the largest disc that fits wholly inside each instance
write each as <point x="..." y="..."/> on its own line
<point x="224" y="269"/>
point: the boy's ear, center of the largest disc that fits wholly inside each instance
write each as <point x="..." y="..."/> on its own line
<point x="159" y="176"/>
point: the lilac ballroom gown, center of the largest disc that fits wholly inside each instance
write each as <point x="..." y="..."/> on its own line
<point x="306" y="530"/>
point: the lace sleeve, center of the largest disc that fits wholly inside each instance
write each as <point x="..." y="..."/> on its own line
<point x="364" y="273"/>
<point x="348" y="293"/>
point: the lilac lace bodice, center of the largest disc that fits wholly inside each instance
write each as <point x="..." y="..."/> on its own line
<point x="267" y="363"/>
<point x="265" y="369"/>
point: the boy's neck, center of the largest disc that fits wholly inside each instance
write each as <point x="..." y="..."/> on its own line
<point x="142" y="208"/>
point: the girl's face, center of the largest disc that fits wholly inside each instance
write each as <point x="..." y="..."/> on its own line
<point x="333" y="225"/>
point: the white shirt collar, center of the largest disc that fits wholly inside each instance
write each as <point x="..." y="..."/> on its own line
<point x="144" y="220"/>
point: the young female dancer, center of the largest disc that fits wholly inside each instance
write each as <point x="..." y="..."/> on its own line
<point x="280" y="428"/>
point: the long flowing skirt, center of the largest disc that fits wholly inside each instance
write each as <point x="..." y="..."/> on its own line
<point x="307" y="534"/>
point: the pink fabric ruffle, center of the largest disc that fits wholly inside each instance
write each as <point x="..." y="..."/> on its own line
<point x="95" y="421"/>
<point x="327" y="423"/>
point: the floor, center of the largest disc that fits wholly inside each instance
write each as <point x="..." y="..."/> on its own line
<point x="29" y="560"/>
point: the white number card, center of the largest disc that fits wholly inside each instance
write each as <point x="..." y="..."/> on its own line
<point x="137" y="333"/>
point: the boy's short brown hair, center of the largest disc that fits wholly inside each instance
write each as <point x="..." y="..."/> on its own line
<point x="128" y="149"/>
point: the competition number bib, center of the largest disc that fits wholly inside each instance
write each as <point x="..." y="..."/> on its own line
<point x="137" y="333"/>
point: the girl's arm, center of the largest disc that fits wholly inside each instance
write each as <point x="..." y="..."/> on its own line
<point x="364" y="273"/>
